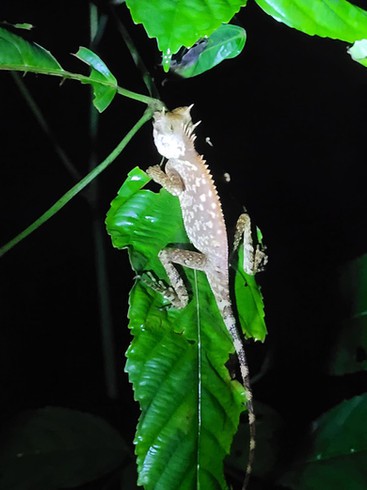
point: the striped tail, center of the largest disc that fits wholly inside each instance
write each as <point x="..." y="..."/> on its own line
<point x="221" y="294"/>
<point x="230" y="323"/>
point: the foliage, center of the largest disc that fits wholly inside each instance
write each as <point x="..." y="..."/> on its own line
<point x="349" y="350"/>
<point x="55" y="448"/>
<point x="177" y="359"/>
<point x="226" y="42"/>
<point x="18" y="54"/>
<point x="184" y="23"/>
<point x="335" y="451"/>
<point x="176" y="24"/>
<point x="175" y="355"/>
<point x="336" y="19"/>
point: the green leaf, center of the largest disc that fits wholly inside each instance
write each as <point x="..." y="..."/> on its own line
<point x="21" y="55"/>
<point x="337" y="450"/>
<point x="337" y="19"/>
<point x="55" y="447"/>
<point x="358" y="52"/>
<point x="349" y="351"/>
<point x="18" y="54"/>
<point x="142" y="220"/>
<point x="176" y="23"/>
<point x="249" y="302"/>
<point x="226" y="42"/>
<point x="176" y="362"/>
<point x="103" y="94"/>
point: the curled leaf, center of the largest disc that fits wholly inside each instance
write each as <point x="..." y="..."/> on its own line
<point x="226" y="42"/>
<point x="103" y="93"/>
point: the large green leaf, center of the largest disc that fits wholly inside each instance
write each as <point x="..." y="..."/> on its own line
<point x="349" y="350"/>
<point x="176" y="362"/>
<point x="176" y="23"/>
<point x="226" y="42"/>
<point x="337" y="19"/>
<point x="55" y="447"/>
<point x="337" y="452"/>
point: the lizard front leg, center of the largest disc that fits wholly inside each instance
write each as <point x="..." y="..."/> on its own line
<point x="171" y="181"/>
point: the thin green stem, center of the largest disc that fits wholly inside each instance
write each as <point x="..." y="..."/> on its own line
<point x="79" y="186"/>
<point x="145" y="99"/>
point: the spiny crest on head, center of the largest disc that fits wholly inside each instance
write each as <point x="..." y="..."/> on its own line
<point x="176" y="122"/>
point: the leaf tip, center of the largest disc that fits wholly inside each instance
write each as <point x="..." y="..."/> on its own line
<point x="166" y="60"/>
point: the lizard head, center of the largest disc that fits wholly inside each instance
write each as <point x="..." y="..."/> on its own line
<point x="173" y="132"/>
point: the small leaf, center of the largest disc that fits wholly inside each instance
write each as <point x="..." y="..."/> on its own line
<point x="181" y="23"/>
<point x="337" y="19"/>
<point x="358" y="52"/>
<point x="249" y="302"/>
<point x="24" y="25"/>
<point x="55" y="447"/>
<point x="18" y="54"/>
<point x="337" y="450"/>
<point x="226" y="42"/>
<point x="103" y="94"/>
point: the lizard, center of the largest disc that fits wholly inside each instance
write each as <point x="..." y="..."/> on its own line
<point x="187" y="176"/>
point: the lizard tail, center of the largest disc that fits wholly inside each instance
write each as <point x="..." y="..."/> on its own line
<point x="245" y="375"/>
<point x="223" y="301"/>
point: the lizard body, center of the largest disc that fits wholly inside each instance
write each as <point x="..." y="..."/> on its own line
<point x="188" y="177"/>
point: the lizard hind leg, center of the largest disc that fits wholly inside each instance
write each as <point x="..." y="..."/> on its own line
<point x="186" y="258"/>
<point x="160" y="287"/>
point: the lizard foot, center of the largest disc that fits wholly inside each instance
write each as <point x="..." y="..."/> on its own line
<point x="159" y="286"/>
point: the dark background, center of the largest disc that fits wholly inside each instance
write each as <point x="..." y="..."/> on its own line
<point x="287" y="121"/>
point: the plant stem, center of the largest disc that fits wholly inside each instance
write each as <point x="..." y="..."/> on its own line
<point x="145" y="99"/>
<point x="79" y="186"/>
